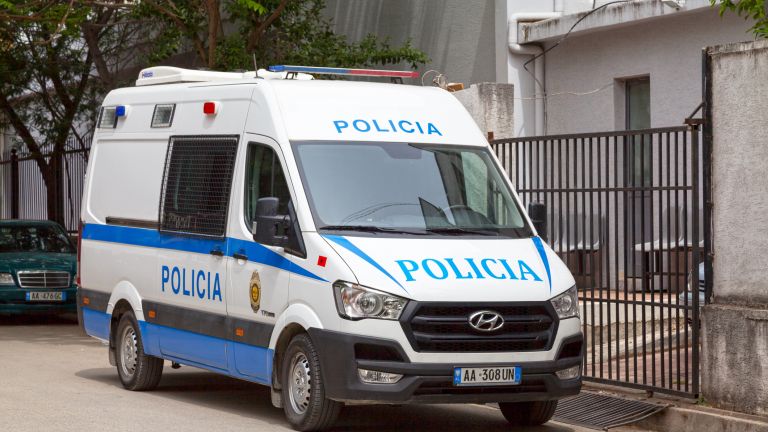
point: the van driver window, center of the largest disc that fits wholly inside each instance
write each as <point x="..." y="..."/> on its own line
<point x="264" y="178"/>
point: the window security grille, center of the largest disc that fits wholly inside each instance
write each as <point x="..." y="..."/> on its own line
<point x="196" y="184"/>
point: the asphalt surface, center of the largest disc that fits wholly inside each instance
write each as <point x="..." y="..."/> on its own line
<point x="54" y="378"/>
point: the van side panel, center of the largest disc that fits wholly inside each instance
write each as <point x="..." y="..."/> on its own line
<point x="124" y="185"/>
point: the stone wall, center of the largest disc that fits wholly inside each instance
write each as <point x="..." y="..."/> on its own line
<point x="492" y="106"/>
<point x="735" y="325"/>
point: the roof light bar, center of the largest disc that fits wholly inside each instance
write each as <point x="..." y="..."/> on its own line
<point x="344" y="71"/>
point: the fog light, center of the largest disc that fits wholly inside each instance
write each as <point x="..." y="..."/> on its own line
<point x="376" y="377"/>
<point x="570" y="373"/>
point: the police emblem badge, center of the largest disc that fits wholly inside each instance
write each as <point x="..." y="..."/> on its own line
<point x="255" y="291"/>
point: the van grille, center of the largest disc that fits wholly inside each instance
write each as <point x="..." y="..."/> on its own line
<point x="441" y="327"/>
<point x="43" y="279"/>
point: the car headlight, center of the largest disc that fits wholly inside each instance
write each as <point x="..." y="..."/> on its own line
<point x="567" y="304"/>
<point x="6" y="279"/>
<point x="355" y="302"/>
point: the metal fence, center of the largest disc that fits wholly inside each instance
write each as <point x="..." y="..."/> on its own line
<point x="24" y="191"/>
<point x="624" y="214"/>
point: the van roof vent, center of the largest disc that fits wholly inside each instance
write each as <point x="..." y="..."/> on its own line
<point x="169" y="75"/>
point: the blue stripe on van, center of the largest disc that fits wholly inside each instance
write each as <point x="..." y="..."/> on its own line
<point x="155" y="239"/>
<point x="543" y="255"/>
<point x="346" y="244"/>
<point x="246" y="362"/>
<point x="96" y="323"/>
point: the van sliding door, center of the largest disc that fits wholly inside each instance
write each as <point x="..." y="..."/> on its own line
<point x="191" y="311"/>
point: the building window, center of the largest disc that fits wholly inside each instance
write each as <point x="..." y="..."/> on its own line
<point x="196" y="185"/>
<point x="638" y="103"/>
<point x="637" y="92"/>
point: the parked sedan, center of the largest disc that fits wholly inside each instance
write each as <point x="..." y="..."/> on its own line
<point x="37" y="267"/>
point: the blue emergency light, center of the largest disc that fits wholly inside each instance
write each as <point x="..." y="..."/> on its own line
<point x="343" y="71"/>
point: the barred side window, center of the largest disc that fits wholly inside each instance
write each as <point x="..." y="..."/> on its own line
<point x="196" y="185"/>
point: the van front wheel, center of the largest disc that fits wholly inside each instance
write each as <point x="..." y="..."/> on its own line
<point x="137" y="370"/>
<point x="528" y="413"/>
<point x="304" y="401"/>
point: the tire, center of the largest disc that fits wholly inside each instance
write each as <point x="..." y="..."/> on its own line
<point x="303" y="392"/>
<point x="528" y="413"/>
<point x="137" y="371"/>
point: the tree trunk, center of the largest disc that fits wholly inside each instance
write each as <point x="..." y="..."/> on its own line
<point x="54" y="195"/>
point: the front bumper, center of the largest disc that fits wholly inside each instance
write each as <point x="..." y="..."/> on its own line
<point x="13" y="301"/>
<point x="341" y="354"/>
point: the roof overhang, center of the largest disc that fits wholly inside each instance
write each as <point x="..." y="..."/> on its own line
<point x="615" y="15"/>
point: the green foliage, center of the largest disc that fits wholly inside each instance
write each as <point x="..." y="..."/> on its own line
<point x="750" y="10"/>
<point x="295" y="32"/>
<point x="252" y="6"/>
<point x="42" y="65"/>
<point x="59" y="58"/>
<point x="302" y="35"/>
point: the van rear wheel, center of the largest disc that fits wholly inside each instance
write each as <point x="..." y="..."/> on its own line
<point x="137" y="370"/>
<point x="303" y="391"/>
<point x="528" y="413"/>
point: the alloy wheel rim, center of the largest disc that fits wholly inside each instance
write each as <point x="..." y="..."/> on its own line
<point x="300" y="383"/>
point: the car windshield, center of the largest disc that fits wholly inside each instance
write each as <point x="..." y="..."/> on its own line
<point x="34" y="238"/>
<point x="408" y="189"/>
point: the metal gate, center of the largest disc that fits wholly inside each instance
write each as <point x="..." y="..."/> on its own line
<point x="624" y="213"/>
<point x="23" y="193"/>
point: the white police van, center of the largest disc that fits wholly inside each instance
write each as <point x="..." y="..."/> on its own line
<point x="340" y="242"/>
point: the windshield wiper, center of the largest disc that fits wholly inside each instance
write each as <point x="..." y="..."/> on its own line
<point x="462" y="231"/>
<point x="369" y="228"/>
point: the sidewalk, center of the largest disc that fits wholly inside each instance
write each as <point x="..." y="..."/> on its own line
<point x="685" y="415"/>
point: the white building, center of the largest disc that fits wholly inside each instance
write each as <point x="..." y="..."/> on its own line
<point x="635" y="64"/>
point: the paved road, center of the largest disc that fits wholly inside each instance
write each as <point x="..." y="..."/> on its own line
<point x="52" y="377"/>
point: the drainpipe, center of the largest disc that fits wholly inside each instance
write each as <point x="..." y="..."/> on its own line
<point x="516" y="49"/>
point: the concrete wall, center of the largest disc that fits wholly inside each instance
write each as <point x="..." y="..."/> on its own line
<point x="667" y="49"/>
<point x="735" y="326"/>
<point x="458" y="35"/>
<point x="490" y="105"/>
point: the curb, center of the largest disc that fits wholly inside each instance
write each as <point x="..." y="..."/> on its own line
<point x="680" y="419"/>
<point x="682" y="415"/>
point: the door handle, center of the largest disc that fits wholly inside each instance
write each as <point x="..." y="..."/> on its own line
<point x="217" y="252"/>
<point x="239" y="256"/>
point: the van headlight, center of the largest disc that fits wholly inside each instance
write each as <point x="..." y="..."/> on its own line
<point x="567" y="304"/>
<point x="6" y="279"/>
<point x="355" y="302"/>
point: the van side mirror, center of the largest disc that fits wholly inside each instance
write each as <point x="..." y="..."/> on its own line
<point x="268" y="226"/>
<point x="538" y="213"/>
<point x="271" y="228"/>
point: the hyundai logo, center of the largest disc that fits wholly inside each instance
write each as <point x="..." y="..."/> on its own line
<point x="486" y="321"/>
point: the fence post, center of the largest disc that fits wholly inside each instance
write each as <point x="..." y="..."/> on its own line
<point x="60" y="217"/>
<point x="14" y="184"/>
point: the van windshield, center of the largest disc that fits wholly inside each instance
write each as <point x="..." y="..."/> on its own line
<point x="407" y="189"/>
